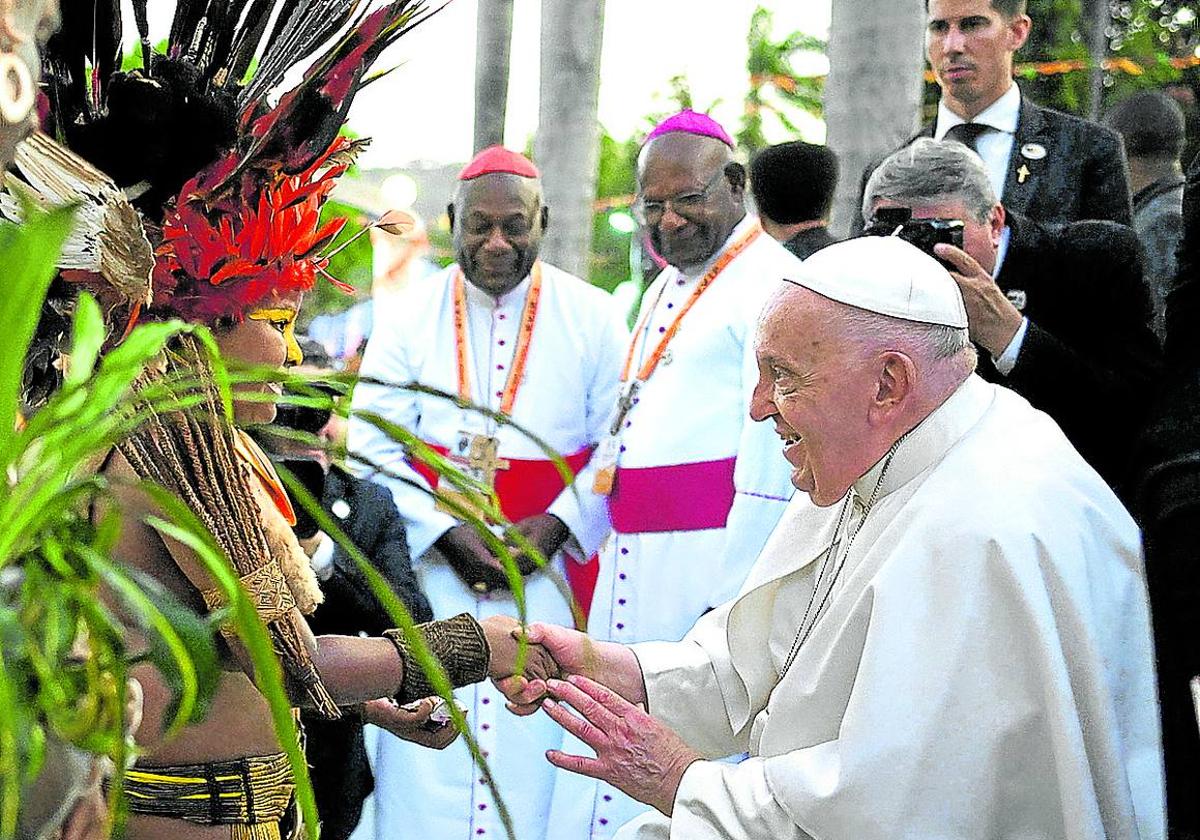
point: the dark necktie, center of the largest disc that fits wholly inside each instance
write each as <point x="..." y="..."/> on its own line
<point x="968" y="134"/>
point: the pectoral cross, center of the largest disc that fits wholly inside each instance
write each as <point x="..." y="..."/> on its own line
<point x="1023" y="173"/>
<point x="481" y="462"/>
<point x="483" y="459"/>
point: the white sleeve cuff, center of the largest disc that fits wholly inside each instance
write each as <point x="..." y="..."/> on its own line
<point x="322" y="559"/>
<point x="1008" y="359"/>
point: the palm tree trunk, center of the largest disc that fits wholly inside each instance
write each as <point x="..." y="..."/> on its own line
<point x="873" y="94"/>
<point x="493" y="45"/>
<point x="568" y="138"/>
<point x="1097" y="16"/>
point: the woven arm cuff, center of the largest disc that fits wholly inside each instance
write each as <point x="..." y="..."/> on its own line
<point x="458" y="643"/>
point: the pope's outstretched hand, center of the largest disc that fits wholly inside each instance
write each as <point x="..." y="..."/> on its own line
<point x="634" y="752"/>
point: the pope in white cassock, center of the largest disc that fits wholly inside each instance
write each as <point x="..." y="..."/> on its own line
<point x="694" y="486"/>
<point x="504" y="330"/>
<point x="947" y="636"/>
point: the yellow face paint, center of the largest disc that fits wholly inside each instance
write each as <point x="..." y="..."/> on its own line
<point x="283" y="320"/>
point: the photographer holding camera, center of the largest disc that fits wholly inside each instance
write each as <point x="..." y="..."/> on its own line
<point x="1058" y="312"/>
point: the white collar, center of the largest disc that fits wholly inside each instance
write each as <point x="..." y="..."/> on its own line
<point x="478" y="297"/>
<point x="929" y="440"/>
<point x="741" y="227"/>
<point x="1002" y="250"/>
<point x="1002" y="115"/>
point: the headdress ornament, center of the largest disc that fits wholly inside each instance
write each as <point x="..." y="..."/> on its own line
<point x="886" y="275"/>
<point x="231" y="189"/>
<point x="497" y="159"/>
<point x="688" y="121"/>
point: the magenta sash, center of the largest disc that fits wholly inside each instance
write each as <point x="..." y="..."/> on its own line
<point x="681" y="497"/>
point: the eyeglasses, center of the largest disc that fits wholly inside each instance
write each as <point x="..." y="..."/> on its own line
<point x="651" y="212"/>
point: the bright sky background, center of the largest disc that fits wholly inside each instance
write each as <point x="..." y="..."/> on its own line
<point x="424" y="110"/>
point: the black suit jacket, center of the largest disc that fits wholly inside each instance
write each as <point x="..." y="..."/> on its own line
<point x="1169" y="508"/>
<point x="1082" y="175"/>
<point x="1089" y="359"/>
<point x="341" y="775"/>
<point x="807" y="242"/>
<point x="1183" y="304"/>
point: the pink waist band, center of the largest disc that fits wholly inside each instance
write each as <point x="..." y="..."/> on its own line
<point x="682" y="497"/>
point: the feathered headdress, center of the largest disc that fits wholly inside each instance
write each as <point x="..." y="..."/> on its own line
<point x="231" y="189"/>
<point x="199" y="200"/>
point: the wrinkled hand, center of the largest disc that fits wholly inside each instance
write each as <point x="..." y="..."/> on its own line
<point x="992" y="318"/>
<point x="634" y="752"/>
<point x="570" y="651"/>
<point x="503" y="635"/>
<point x="411" y="722"/>
<point x="471" y="559"/>
<point x="546" y="532"/>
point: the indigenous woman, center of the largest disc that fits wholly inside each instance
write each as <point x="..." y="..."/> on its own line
<point x="230" y="193"/>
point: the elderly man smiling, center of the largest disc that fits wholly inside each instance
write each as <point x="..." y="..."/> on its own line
<point x="944" y="637"/>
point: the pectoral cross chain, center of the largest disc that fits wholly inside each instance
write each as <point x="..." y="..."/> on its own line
<point x="624" y="406"/>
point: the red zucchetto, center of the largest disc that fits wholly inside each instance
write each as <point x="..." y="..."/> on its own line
<point x="498" y="159"/>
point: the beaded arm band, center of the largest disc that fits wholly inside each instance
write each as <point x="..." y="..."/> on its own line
<point x="458" y="643"/>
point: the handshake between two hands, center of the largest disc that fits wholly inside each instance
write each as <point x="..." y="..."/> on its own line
<point x="602" y="684"/>
<point x="594" y="690"/>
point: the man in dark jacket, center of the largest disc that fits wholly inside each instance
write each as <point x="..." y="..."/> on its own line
<point x="1169" y="509"/>
<point x="1152" y="125"/>
<point x="336" y="751"/>
<point x="1044" y="164"/>
<point x="792" y="185"/>
<point x="1058" y="313"/>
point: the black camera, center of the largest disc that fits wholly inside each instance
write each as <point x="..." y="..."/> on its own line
<point x="923" y="233"/>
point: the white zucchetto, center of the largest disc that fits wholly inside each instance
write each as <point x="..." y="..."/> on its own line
<point x="887" y="275"/>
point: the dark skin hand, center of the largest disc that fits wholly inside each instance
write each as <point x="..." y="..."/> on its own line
<point x="477" y="566"/>
<point x="471" y="559"/>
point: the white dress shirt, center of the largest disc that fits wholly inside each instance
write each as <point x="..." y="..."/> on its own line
<point x="995" y="147"/>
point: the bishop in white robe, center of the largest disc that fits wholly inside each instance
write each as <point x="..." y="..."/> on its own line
<point x="563" y="394"/>
<point x="956" y="644"/>
<point x="697" y="486"/>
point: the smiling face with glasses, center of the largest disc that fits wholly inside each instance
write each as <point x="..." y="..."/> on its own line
<point x="690" y="197"/>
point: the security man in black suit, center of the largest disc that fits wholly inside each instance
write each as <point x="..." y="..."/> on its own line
<point x="1063" y="322"/>
<point x="336" y="750"/>
<point x="1044" y="164"/>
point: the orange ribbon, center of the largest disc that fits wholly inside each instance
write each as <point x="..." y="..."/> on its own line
<point x="711" y="275"/>
<point x="520" y="356"/>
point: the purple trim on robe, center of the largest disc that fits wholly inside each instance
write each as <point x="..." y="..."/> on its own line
<point x="681" y="497"/>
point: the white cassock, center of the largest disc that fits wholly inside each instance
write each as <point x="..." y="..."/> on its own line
<point x="570" y="384"/>
<point x="984" y="668"/>
<point x="699" y="485"/>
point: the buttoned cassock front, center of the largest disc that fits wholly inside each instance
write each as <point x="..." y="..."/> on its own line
<point x="689" y="452"/>
<point x="570" y="383"/>
<point x="984" y="668"/>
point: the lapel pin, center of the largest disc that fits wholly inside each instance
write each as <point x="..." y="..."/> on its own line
<point x="1033" y="151"/>
<point x="340" y="508"/>
<point x="1017" y="298"/>
<point x="1022" y="174"/>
